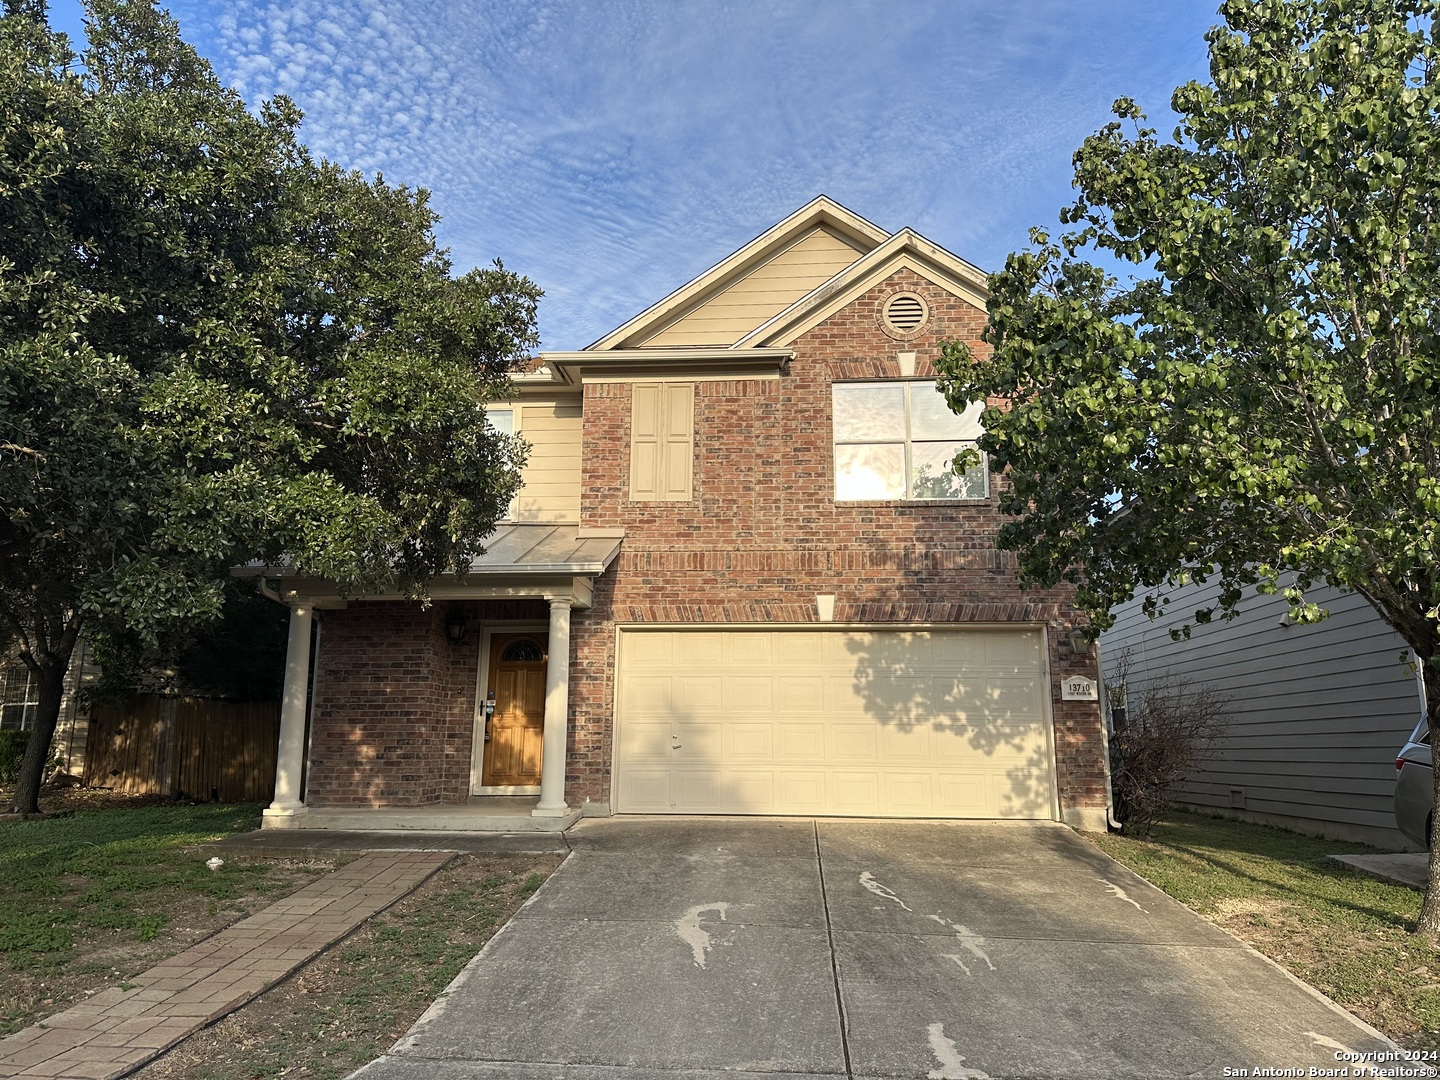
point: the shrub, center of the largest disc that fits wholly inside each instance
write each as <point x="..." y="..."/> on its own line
<point x="12" y="749"/>
<point x="1162" y="729"/>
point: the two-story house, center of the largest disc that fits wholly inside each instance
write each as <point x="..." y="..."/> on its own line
<point x="741" y="578"/>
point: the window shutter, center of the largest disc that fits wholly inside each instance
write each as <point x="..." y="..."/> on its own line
<point x="679" y="450"/>
<point x="645" y="442"/>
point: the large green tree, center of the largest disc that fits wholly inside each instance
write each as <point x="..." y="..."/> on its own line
<point x="1253" y="397"/>
<point x="215" y="348"/>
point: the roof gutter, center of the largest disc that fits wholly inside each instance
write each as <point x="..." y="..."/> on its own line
<point x="629" y="363"/>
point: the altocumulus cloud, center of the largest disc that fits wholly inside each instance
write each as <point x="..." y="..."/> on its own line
<point x="611" y="149"/>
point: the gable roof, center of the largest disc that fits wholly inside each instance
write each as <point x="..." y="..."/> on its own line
<point x="821" y="213"/>
<point x="906" y="250"/>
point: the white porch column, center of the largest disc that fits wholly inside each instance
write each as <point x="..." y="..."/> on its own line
<point x="557" y="714"/>
<point x="290" y="760"/>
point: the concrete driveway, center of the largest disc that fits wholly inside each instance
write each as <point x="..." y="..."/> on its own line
<point x="860" y="949"/>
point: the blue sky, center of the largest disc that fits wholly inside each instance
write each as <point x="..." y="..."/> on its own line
<point x="613" y="149"/>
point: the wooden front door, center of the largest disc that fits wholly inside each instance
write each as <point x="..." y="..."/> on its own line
<point x="516" y="729"/>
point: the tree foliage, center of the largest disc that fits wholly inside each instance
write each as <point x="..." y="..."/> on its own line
<point x="215" y="348"/>
<point x="1257" y="401"/>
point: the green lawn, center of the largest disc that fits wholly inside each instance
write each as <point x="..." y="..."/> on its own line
<point x="99" y="895"/>
<point x="1341" y="931"/>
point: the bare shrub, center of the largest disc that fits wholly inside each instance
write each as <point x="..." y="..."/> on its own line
<point x="1162" y="729"/>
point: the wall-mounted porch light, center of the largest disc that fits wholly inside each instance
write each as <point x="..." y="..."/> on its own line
<point x="457" y="625"/>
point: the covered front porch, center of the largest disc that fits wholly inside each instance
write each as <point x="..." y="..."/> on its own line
<point x="444" y="715"/>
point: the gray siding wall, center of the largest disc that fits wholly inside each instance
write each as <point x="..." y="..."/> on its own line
<point x="1318" y="712"/>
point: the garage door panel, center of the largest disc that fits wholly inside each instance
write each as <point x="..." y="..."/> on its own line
<point x="697" y="696"/>
<point x="851" y="742"/>
<point x="649" y="650"/>
<point x="899" y="699"/>
<point x="801" y="693"/>
<point x="1014" y="653"/>
<point x="702" y="741"/>
<point x="749" y="742"/>
<point x="647" y="791"/>
<point x="752" y="792"/>
<point x="855" y="792"/>
<point x="909" y="793"/>
<point x="806" y="649"/>
<point x="802" y="743"/>
<point x="911" y="743"/>
<point x="966" y="793"/>
<point x="695" y="649"/>
<point x="747" y="650"/>
<point x="748" y="694"/>
<point x="645" y="743"/>
<point x="643" y="696"/>
<point x="883" y="723"/>
<point x="797" y="791"/>
<point x="701" y="789"/>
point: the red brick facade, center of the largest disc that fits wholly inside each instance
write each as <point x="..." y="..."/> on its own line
<point x="761" y="538"/>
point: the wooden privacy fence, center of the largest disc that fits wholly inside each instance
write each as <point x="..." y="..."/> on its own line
<point x="204" y="748"/>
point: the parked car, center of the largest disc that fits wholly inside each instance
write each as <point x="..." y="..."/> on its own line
<point x="1415" y="787"/>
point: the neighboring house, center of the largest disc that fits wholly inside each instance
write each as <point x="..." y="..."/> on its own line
<point x="1317" y="711"/>
<point x="740" y="578"/>
<point x="20" y="697"/>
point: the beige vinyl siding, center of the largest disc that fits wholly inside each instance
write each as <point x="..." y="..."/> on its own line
<point x="1318" y="712"/>
<point x="552" y="472"/>
<point x="662" y="442"/>
<point x="763" y="293"/>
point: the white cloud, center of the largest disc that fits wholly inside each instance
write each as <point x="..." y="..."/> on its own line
<point x="613" y="149"/>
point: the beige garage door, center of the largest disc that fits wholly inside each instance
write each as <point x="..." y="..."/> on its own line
<point x="877" y="723"/>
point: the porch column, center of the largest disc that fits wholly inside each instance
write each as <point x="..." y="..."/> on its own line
<point x="290" y="760"/>
<point x="557" y="714"/>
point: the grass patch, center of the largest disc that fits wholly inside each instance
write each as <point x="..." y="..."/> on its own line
<point x="1343" y="932"/>
<point x="96" y="896"/>
<point x="349" y="1005"/>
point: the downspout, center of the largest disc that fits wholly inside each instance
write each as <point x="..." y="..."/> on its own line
<point x="1110" y="822"/>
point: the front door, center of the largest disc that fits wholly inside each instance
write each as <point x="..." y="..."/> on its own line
<point x="515" y="731"/>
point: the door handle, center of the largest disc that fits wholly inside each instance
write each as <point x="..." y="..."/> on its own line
<point x="674" y="742"/>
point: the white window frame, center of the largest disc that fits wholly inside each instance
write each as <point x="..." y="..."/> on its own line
<point x="909" y="442"/>
<point x="513" y="410"/>
<point x="28" y="701"/>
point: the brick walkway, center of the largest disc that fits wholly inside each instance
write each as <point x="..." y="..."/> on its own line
<point x="116" y="1030"/>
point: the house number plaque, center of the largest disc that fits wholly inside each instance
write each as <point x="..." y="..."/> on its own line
<point x="1078" y="688"/>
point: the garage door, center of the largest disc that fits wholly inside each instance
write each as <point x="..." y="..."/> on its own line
<point x="878" y="723"/>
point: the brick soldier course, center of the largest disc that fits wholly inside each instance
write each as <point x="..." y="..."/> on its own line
<point x="118" y="1030"/>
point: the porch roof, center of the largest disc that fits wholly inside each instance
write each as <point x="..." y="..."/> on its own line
<point x="547" y="549"/>
<point x="520" y="560"/>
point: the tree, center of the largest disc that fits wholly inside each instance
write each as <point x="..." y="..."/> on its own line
<point x="214" y="348"/>
<point x="1258" y="402"/>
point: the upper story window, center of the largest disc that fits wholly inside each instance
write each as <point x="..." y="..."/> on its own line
<point x="662" y="442"/>
<point x="896" y="440"/>
<point x="503" y="421"/>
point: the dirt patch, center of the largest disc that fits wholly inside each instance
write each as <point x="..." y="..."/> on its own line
<point x="350" y="1004"/>
<point x="103" y="958"/>
<point x="113" y="885"/>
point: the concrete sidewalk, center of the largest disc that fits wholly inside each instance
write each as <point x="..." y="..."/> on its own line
<point x="707" y="948"/>
<point x="118" y="1030"/>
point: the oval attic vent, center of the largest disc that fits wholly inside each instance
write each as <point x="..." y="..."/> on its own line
<point x="905" y="313"/>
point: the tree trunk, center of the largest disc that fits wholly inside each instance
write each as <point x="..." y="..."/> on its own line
<point x="1428" y="924"/>
<point x="51" y="677"/>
